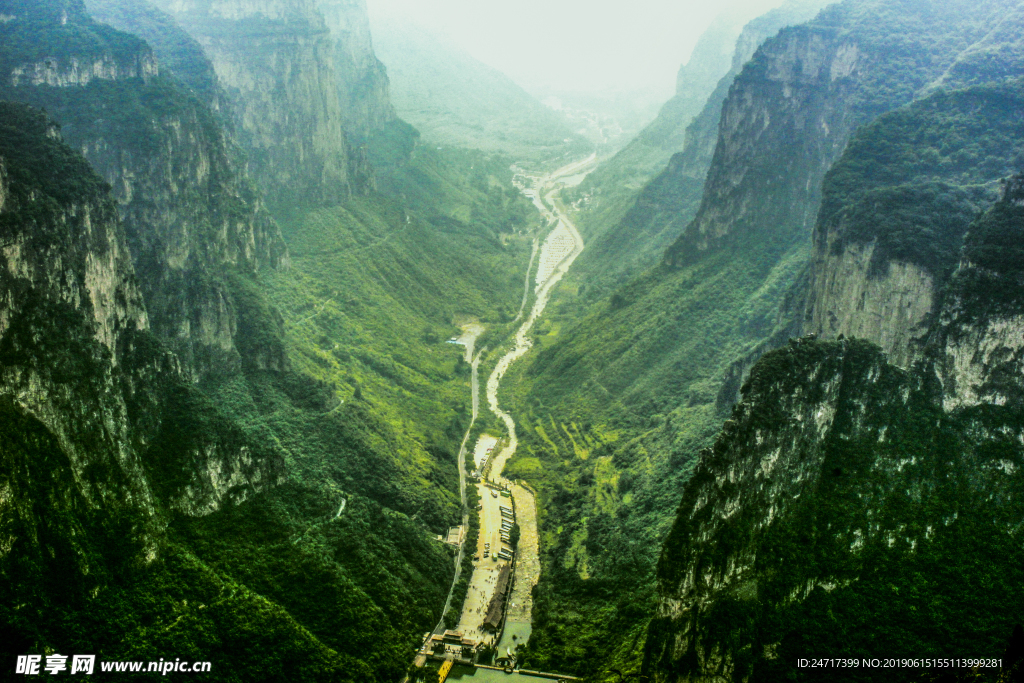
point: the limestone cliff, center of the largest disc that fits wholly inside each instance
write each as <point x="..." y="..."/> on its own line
<point x="175" y="50"/>
<point x="826" y="515"/>
<point x="896" y="207"/>
<point x="191" y="217"/>
<point x="678" y="146"/>
<point x="276" y="62"/>
<point x="69" y="308"/>
<point x="791" y="110"/>
<point x="362" y="79"/>
<point x="888" y="310"/>
<point x="77" y="360"/>
<point x="981" y="338"/>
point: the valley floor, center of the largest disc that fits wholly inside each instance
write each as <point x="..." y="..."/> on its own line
<point x="559" y="250"/>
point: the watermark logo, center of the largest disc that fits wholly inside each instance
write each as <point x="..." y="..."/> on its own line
<point x="54" y="664"/>
<point x="35" y="665"/>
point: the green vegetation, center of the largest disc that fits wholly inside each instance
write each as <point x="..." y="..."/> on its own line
<point x="34" y="163"/>
<point x="900" y="535"/>
<point x="913" y="180"/>
<point x="40" y="33"/>
<point x="175" y="50"/>
<point x="344" y="379"/>
<point x="461" y="589"/>
<point x="632" y="381"/>
<point x="993" y="284"/>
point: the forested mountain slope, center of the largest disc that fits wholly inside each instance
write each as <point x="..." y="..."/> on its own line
<point x="190" y="215"/>
<point x="636" y="203"/>
<point x="621" y="401"/>
<point x="194" y="411"/>
<point x="852" y="506"/>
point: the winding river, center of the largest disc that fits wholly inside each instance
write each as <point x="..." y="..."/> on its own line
<point x="560" y="249"/>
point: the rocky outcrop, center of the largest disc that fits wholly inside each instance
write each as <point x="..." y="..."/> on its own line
<point x="275" y="60"/>
<point x="981" y="338"/>
<point x="669" y="160"/>
<point x="69" y="304"/>
<point x="896" y="208"/>
<point x="783" y="124"/>
<point x="175" y="50"/>
<point x="843" y="484"/>
<point x="191" y="217"/>
<point x="80" y="370"/>
<point x="823" y="517"/>
<point x="791" y="111"/>
<point x="891" y="309"/>
<point x="362" y="79"/>
<point x="63" y="73"/>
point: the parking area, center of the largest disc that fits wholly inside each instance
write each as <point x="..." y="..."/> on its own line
<point x="485" y="569"/>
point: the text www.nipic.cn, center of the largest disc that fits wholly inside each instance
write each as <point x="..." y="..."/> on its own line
<point x="33" y="665"/>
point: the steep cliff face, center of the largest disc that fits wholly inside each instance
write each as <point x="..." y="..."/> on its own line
<point x="175" y="50"/>
<point x="190" y="216"/>
<point x="792" y="109"/>
<point x="69" y="308"/>
<point x="362" y="79"/>
<point x="981" y="342"/>
<point x="889" y="310"/>
<point x="276" y="62"/>
<point x="80" y="368"/>
<point x="684" y="137"/>
<point x="828" y="513"/>
<point x="896" y="207"/>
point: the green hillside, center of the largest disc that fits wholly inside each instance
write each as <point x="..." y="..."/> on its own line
<point x="629" y="387"/>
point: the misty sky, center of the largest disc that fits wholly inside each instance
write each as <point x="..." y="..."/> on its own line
<point x="572" y="44"/>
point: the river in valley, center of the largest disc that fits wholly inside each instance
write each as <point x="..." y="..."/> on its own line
<point x="561" y="247"/>
<point x="555" y="256"/>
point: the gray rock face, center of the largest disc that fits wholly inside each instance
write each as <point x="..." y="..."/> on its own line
<point x="362" y="79"/>
<point x="847" y="299"/>
<point x="298" y="76"/>
<point x="701" y="133"/>
<point x="69" y="308"/>
<point x="785" y="121"/>
<point x="82" y="380"/>
<point x="191" y="217"/>
<point x="790" y="112"/>
<point x="864" y="285"/>
<point x="72" y="71"/>
<point x="275" y="61"/>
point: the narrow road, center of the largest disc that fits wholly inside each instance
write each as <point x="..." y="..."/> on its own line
<point x="472" y="331"/>
<point x="561" y="247"/>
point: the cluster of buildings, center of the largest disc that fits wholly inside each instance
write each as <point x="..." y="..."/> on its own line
<point x="496" y="609"/>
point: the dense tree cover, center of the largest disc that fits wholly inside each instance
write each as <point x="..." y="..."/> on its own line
<point x="39" y="34"/>
<point x="913" y="180"/>
<point x="43" y="176"/>
<point x="900" y="538"/>
<point x="991" y="285"/>
<point x="368" y="406"/>
<point x="176" y="51"/>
